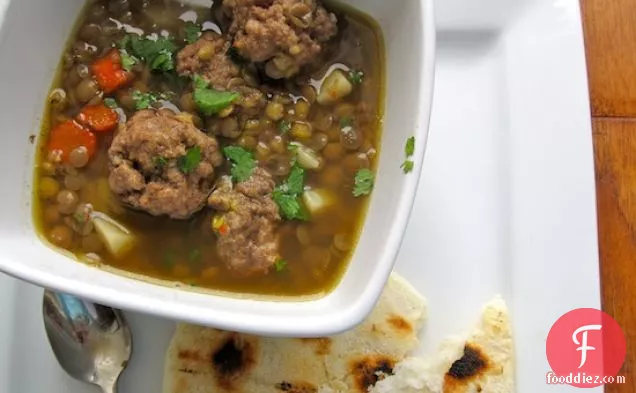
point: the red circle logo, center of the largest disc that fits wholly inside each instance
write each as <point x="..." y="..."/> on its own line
<point x="586" y="348"/>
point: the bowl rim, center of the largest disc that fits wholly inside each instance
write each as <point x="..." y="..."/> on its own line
<point x="333" y="322"/>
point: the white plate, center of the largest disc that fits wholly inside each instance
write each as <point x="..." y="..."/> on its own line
<point x="506" y="203"/>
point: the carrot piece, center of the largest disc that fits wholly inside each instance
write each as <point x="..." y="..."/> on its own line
<point x="109" y="73"/>
<point x="71" y="135"/>
<point x="99" y="117"/>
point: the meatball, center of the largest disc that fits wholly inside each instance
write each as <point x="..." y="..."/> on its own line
<point x="208" y="57"/>
<point x="284" y="34"/>
<point x="246" y="223"/>
<point x="162" y="164"/>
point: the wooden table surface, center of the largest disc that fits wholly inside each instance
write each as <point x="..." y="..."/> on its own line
<point x="610" y="40"/>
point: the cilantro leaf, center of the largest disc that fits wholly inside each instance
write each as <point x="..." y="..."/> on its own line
<point x="280" y="265"/>
<point x="243" y="162"/>
<point x="143" y="100"/>
<point x="127" y="61"/>
<point x="287" y="195"/>
<point x="409" y="148"/>
<point x="158" y="54"/>
<point x="192" y="32"/>
<point x="407" y="166"/>
<point x="163" y="61"/>
<point x="296" y="181"/>
<point x="190" y="161"/>
<point x="289" y="205"/>
<point x="363" y="182"/>
<point x="356" y="76"/>
<point x="284" y="127"/>
<point x="210" y="101"/>
<point x="111" y="103"/>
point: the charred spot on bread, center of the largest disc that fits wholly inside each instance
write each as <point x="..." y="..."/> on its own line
<point x="296" y="387"/>
<point x="233" y="359"/>
<point x="368" y="370"/>
<point x="322" y="345"/>
<point x="400" y="324"/>
<point x="470" y="364"/>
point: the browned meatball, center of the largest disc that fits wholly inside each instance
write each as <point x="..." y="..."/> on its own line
<point x="208" y="58"/>
<point x="286" y="34"/>
<point x="248" y="243"/>
<point x="162" y="164"/>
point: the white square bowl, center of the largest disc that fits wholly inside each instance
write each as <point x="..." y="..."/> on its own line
<point x="32" y="38"/>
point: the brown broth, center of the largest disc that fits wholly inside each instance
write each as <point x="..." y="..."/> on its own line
<point x="184" y="251"/>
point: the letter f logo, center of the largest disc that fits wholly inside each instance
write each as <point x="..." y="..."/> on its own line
<point x="583" y="344"/>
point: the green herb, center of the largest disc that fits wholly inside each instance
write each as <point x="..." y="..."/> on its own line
<point x="190" y="161"/>
<point x="409" y="148"/>
<point x="346" y="121"/>
<point x="210" y="101"/>
<point x="111" y="103"/>
<point x="163" y="61"/>
<point x="127" y="61"/>
<point x="296" y="181"/>
<point x="144" y="100"/>
<point x="160" y="162"/>
<point x="356" y="76"/>
<point x="243" y="162"/>
<point x="363" y="182"/>
<point x="192" y="32"/>
<point x="287" y="195"/>
<point x="158" y="54"/>
<point x="407" y="166"/>
<point x="194" y="255"/>
<point x="284" y="127"/>
<point x="280" y="265"/>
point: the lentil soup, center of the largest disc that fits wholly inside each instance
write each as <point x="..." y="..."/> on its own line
<point x="230" y="148"/>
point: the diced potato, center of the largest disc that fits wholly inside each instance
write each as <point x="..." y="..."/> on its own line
<point x="334" y="88"/>
<point x="316" y="201"/>
<point x="117" y="238"/>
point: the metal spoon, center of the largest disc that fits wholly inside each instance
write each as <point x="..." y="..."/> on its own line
<point x="92" y="342"/>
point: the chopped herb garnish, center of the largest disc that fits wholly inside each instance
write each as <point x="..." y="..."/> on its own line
<point x="363" y="182"/>
<point x="111" y="103"/>
<point x="287" y="195"/>
<point x="190" y="161"/>
<point x="192" y="32"/>
<point x="210" y="101"/>
<point x="280" y="265"/>
<point x="356" y="76"/>
<point x="407" y="166"/>
<point x="296" y="181"/>
<point x="163" y="61"/>
<point x="144" y="100"/>
<point x="346" y="121"/>
<point x="243" y="162"/>
<point x="127" y="61"/>
<point x="158" y="54"/>
<point x="160" y="162"/>
<point x="284" y="127"/>
<point x="409" y="148"/>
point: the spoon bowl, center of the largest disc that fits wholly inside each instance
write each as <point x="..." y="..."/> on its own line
<point x="91" y="342"/>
